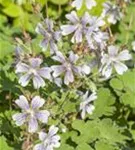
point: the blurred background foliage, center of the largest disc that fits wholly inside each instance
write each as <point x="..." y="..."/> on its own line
<point x="111" y="126"/>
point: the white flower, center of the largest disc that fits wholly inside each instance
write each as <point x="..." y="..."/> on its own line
<point x="133" y="45"/>
<point x="112" y="12"/>
<point x="49" y="140"/>
<point x="85" y="105"/>
<point x="78" y="3"/>
<point x="114" y="59"/>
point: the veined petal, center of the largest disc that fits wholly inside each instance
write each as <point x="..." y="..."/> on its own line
<point x="53" y="130"/>
<point x="59" y="57"/>
<point x="38" y="82"/>
<point x="113" y="50"/>
<point x="68" y="29"/>
<point x="35" y="62"/>
<point x="37" y="102"/>
<point x="22" y="67"/>
<point x="57" y="35"/>
<point x="85" y="69"/>
<point x="45" y="72"/>
<point x="44" y="44"/>
<point x="24" y="80"/>
<point x="107" y="71"/>
<point x="40" y="29"/>
<point x="42" y="135"/>
<point x="90" y="109"/>
<point x="83" y="113"/>
<point x="73" y="17"/>
<point x="73" y="57"/>
<point x="57" y="70"/>
<point x="39" y="147"/>
<point x="77" y="4"/>
<point x="32" y="125"/>
<point x="68" y="77"/>
<point x="49" y="24"/>
<point x="124" y="55"/>
<point x="53" y="47"/>
<point x="19" y="118"/>
<point x="43" y="115"/>
<point x="90" y="3"/>
<point x="85" y="18"/>
<point x="77" y="36"/>
<point x="120" y="68"/>
<point x="22" y="102"/>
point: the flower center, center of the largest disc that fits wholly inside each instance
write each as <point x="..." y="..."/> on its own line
<point x="31" y="112"/>
<point x="33" y="71"/>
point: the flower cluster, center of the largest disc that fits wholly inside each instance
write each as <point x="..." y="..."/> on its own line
<point x="67" y="68"/>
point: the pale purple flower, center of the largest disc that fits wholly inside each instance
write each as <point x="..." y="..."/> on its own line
<point x="113" y="59"/>
<point x="96" y="39"/>
<point x="85" y="105"/>
<point x="68" y="67"/>
<point x="78" y="26"/>
<point x="30" y="113"/>
<point x="51" y="37"/>
<point x="94" y="36"/>
<point x="78" y="3"/>
<point x="34" y="72"/>
<point x="112" y="12"/>
<point x="49" y="140"/>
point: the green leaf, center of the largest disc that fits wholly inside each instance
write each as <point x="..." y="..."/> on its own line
<point x="101" y="145"/>
<point x="104" y="104"/>
<point x="83" y="146"/>
<point x="59" y="2"/>
<point x="128" y="99"/>
<point x="13" y="10"/>
<point x="116" y="84"/>
<point x="110" y="132"/>
<point x="3" y="144"/>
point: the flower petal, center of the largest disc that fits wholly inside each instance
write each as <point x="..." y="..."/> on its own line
<point x="44" y="44"/>
<point x="38" y="82"/>
<point x="39" y="147"/>
<point x="77" y="4"/>
<point x="120" y="68"/>
<point x="90" y="109"/>
<point x="35" y="62"/>
<point x="83" y="113"/>
<point x="42" y="136"/>
<point x="43" y="115"/>
<point x="22" y="67"/>
<point x="53" y="47"/>
<point x="68" y="29"/>
<point x="57" y="70"/>
<point x="73" y="17"/>
<point x="22" y="102"/>
<point x="45" y="72"/>
<point x="37" y="102"/>
<point x="68" y="77"/>
<point x="124" y="55"/>
<point x="19" y="118"/>
<point x="59" y="57"/>
<point x="53" y="130"/>
<point x="90" y="3"/>
<point x="73" y="57"/>
<point x="113" y="50"/>
<point x="24" y="80"/>
<point x="32" y="125"/>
